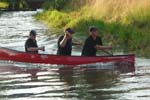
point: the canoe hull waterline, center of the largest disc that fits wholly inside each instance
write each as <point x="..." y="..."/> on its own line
<point x="17" y="56"/>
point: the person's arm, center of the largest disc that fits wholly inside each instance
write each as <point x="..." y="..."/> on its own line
<point x="36" y="48"/>
<point x="76" y="43"/>
<point x="100" y="47"/>
<point x="29" y="47"/>
<point x="63" y="42"/>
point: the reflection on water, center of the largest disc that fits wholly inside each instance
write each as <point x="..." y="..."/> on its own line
<point x="70" y="83"/>
<point x="75" y="83"/>
<point x="45" y="82"/>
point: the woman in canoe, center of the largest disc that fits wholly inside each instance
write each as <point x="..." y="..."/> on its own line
<point x="31" y="43"/>
<point x="93" y="43"/>
<point x="65" y="43"/>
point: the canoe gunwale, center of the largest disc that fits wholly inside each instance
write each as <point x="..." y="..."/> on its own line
<point x="118" y="55"/>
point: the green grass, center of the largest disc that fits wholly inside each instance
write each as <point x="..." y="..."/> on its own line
<point x="3" y="5"/>
<point x="54" y="18"/>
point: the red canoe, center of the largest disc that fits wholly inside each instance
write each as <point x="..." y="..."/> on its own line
<point x="12" y="55"/>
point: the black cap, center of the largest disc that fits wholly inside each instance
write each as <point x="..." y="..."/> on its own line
<point x="92" y="29"/>
<point x="33" y="32"/>
<point x="69" y="30"/>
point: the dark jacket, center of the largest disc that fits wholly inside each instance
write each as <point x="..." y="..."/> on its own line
<point x="30" y="43"/>
<point x="65" y="51"/>
<point x="89" y="46"/>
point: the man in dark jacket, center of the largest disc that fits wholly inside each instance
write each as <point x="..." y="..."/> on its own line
<point x="31" y="43"/>
<point x="93" y="43"/>
<point x="65" y="43"/>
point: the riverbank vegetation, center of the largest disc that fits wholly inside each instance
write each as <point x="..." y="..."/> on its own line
<point x="126" y="23"/>
<point x="3" y="5"/>
<point x="13" y="5"/>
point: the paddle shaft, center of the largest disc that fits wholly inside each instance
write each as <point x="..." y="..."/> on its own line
<point x="107" y="52"/>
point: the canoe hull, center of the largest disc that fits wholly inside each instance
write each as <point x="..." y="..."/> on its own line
<point x="12" y="55"/>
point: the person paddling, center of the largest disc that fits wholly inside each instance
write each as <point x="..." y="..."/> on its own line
<point x="31" y="43"/>
<point x="65" y="43"/>
<point x="93" y="43"/>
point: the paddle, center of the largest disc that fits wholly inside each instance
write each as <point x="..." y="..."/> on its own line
<point x="107" y="52"/>
<point x="105" y="49"/>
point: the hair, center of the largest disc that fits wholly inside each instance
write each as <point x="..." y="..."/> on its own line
<point x="69" y="30"/>
<point x="92" y="29"/>
<point x="33" y="32"/>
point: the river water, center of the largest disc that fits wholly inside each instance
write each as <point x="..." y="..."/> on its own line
<point x="20" y="81"/>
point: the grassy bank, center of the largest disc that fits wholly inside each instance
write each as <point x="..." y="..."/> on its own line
<point x="3" y="5"/>
<point x="125" y="23"/>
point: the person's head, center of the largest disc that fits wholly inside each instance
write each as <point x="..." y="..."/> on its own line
<point x="32" y="34"/>
<point x="69" y="30"/>
<point x="93" y="31"/>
